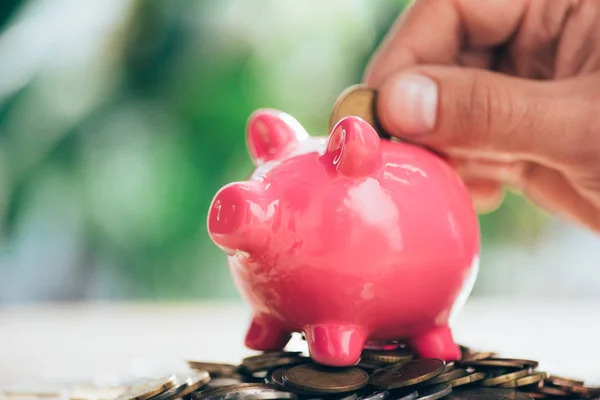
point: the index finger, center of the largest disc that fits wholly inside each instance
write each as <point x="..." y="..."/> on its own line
<point x="436" y="31"/>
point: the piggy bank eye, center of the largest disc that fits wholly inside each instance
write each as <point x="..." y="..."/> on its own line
<point x="354" y="148"/>
<point x="270" y="133"/>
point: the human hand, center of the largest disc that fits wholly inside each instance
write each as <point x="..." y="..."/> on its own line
<point x="508" y="90"/>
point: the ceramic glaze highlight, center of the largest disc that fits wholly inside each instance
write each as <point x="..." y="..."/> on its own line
<point x="346" y="239"/>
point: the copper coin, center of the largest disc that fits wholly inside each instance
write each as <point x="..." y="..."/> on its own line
<point x="407" y="374"/>
<point x="434" y="392"/>
<point x="528" y="380"/>
<point x="502" y="363"/>
<point x="535" y="395"/>
<point x="486" y="394"/>
<point x="465" y="380"/>
<point x="552" y="391"/>
<point x="317" y="378"/>
<point x="584" y="391"/>
<point x="359" y="101"/>
<point x="564" y="382"/>
<point x="447" y="376"/>
<point x="388" y="356"/>
<point x="276" y="379"/>
<point x="504" y="378"/>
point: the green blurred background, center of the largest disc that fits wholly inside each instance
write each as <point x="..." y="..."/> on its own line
<point x="119" y="120"/>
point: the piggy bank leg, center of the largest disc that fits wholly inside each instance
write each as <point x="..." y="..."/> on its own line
<point x="266" y="333"/>
<point x="335" y="345"/>
<point x="436" y="343"/>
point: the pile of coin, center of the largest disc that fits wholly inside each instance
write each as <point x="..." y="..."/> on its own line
<point x="393" y="373"/>
<point x="390" y="372"/>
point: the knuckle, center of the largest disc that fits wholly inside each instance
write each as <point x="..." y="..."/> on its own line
<point x="487" y="110"/>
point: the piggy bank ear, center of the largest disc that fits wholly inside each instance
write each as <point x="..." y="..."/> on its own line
<point x="354" y="148"/>
<point x="270" y="133"/>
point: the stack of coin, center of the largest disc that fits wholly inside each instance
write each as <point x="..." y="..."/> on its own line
<point x="391" y="372"/>
<point x="394" y="373"/>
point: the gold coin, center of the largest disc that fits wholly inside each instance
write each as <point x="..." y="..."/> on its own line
<point x="477" y="355"/>
<point x="407" y="374"/>
<point x="528" y="380"/>
<point x="474" y="377"/>
<point x="195" y="381"/>
<point x="358" y="101"/>
<point x="214" y="369"/>
<point x="447" y="376"/>
<point x="500" y="379"/>
<point x="148" y="388"/>
<point x="502" y="363"/>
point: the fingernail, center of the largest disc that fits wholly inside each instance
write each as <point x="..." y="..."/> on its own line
<point x="412" y="104"/>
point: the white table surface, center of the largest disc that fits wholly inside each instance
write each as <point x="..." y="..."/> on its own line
<point x="106" y="341"/>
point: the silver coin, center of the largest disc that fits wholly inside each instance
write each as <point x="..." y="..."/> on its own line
<point x="351" y="396"/>
<point x="170" y="394"/>
<point x="266" y="395"/>
<point x="374" y="394"/>
<point x="434" y="392"/>
<point x="487" y="394"/>
<point x="221" y="382"/>
<point x="403" y="394"/>
<point x="232" y="391"/>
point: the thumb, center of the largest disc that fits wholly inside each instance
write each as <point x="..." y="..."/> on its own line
<point x="458" y="109"/>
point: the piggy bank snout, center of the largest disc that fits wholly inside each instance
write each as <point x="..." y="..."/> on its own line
<point x="227" y="211"/>
<point x="235" y="220"/>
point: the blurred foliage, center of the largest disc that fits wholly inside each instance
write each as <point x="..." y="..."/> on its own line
<point x="119" y="120"/>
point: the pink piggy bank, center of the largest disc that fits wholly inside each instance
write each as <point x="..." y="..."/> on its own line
<point x="347" y="239"/>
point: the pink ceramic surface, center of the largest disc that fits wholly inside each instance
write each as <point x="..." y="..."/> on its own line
<point x="348" y="239"/>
